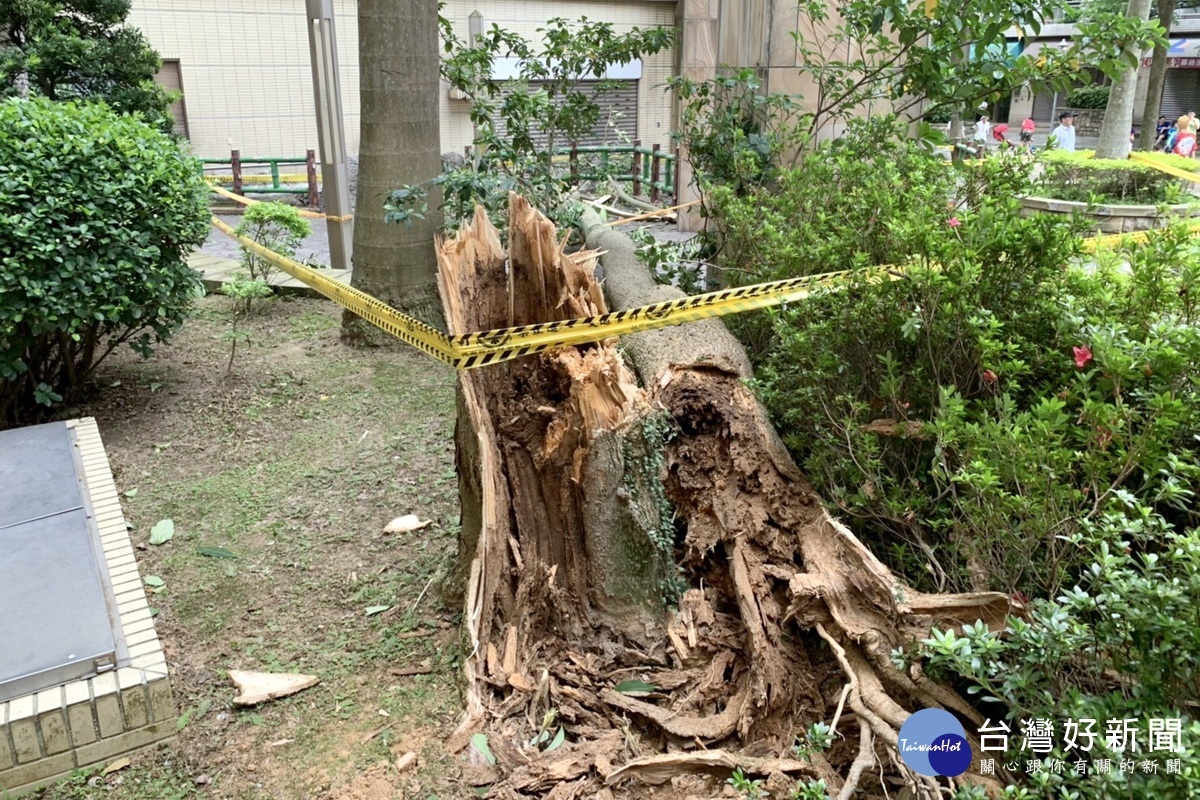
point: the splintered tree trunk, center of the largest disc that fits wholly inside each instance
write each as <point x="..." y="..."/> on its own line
<point x="565" y="537"/>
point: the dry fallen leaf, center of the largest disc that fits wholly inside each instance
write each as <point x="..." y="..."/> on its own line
<point x="407" y="523"/>
<point x="119" y="764"/>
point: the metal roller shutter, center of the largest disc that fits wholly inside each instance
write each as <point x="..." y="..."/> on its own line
<point x="618" y="102"/>
<point x="1181" y="93"/>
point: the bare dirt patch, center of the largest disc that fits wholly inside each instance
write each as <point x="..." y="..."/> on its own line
<point x="294" y="461"/>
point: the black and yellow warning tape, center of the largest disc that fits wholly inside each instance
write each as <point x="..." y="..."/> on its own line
<point x="472" y="350"/>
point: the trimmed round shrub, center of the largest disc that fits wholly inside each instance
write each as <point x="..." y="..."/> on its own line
<point x="1089" y="97"/>
<point x="98" y="212"/>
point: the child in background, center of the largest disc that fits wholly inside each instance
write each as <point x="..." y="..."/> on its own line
<point x="1172" y="132"/>
<point x="1185" y="140"/>
<point x="1027" y="128"/>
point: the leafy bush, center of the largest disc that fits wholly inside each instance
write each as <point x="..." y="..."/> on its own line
<point x="100" y="212"/>
<point x="1079" y="177"/>
<point x="1089" y="97"/>
<point x="277" y="227"/>
<point x="949" y="413"/>
<point x="734" y="135"/>
<point x="1122" y="644"/>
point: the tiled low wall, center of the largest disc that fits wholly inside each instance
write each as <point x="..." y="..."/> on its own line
<point x="46" y="735"/>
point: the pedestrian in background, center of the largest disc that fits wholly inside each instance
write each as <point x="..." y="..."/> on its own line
<point x="982" y="128"/>
<point x="1064" y="134"/>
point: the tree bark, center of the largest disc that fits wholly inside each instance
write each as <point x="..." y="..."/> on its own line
<point x="563" y="607"/>
<point x="400" y="144"/>
<point x="1118" y="118"/>
<point x="1157" y="78"/>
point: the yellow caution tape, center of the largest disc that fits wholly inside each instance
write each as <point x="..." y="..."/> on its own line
<point x="246" y="201"/>
<point x="286" y="177"/>
<point x="1150" y="161"/>
<point x="472" y="350"/>
<point x="1140" y="237"/>
<point x="1094" y="243"/>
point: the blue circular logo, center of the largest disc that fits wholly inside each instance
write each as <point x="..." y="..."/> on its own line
<point x="932" y="742"/>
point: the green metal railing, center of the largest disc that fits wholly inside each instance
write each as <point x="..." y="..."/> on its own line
<point x="279" y="183"/>
<point x="648" y="166"/>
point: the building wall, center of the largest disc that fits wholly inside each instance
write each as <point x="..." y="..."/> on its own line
<point x="247" y="80"/>
<point x="246" y="74"/>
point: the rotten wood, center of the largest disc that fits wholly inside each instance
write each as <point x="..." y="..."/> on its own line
<point x="558" y="533"/>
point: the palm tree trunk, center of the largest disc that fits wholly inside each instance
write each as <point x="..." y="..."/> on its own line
<point x="400" y="144"/>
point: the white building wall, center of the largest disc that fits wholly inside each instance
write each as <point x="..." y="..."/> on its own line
<point x="248" y="83"/>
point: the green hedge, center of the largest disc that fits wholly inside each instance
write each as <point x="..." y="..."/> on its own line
<point x="1089" y="97"/>
<point x="99" y="214"/>
<point x="1079" y="177"/>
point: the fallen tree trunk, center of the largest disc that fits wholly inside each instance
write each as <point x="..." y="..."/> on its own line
<point x="571" y="475"/>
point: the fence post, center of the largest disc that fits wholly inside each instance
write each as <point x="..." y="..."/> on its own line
<point x="310" y="166"/>
<point x="275" y="175"/>
<point x="637" y="167"/>
<point x="673" y="174"/>
<point x="235" y="161"/>
<point x="655" y="173"/>
<point x="574" y="157"/>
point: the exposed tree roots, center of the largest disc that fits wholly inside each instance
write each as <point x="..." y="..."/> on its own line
<point x="786" y="618"/>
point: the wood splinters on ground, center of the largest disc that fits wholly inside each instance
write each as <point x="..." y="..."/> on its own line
<point x="259" y="687"/>
<point x="404" y="672"/>
<point x="407" y="524"/>
<point x="376" y="732"/>
<point x="405" y="761"/>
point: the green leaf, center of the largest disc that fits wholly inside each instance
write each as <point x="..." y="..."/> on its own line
<point x="184" y="719"/>
<point x="373" y="610"/>
<point x="559" y="738"/>
<point x="162" y="532"/>
<point x="641" y="687"/>
<point x="154" y="580"/>
<point x="480" y="742"/>
<point x="216" y="552"/>
<point x="131" y="492"/>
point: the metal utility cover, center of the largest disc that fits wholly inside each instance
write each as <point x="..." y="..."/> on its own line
<point x="57" y="611"/>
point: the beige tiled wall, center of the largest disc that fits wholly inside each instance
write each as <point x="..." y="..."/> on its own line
<point x="248" y="84"/>
<point x="246" y="75"/>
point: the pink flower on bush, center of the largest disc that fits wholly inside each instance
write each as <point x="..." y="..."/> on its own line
<point x="989" y="376"/>
<point x="953" y="222"/>
<point x="1083" y="355"/>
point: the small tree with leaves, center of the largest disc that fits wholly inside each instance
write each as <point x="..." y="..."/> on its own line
<point x="80" y="50"/>
<point x="520" y="123"/>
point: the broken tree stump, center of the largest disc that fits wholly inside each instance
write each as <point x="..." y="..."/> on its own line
<point x="652" y="556"/>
